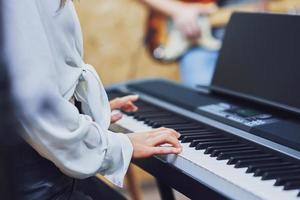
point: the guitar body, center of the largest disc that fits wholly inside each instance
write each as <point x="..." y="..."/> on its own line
<point x="158" y="31"/>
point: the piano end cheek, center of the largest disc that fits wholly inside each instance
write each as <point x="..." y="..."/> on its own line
<point x="170" y="158"/>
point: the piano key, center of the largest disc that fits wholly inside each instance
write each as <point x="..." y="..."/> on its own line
<point x="209" y="150"/>
<point x="187" y="129"/>
<point x="235" y="159"/>
<point x="246" y="163"/>
<point x="292" y="185"/>
<point x="212" y="140"/>
<point x="172" y="119"/>
<point x="153" y="118"/>
<point x="254" y="167"/>
<point x="186" y="126"/>
<point x="141" y="113"/>
<point x="274" y="175"/>
<point x="283" y="180"/>
<point x="204" y="145"/>
<point x="190" y="138"/>
<point x="216" y="152"/>
<point x="237" y="154"/>
<point x="237" y="176"/>
<point x="200" y="130"/>
<point x="186" y="133"/>
<point x="195" y="142"/>
<point x="172" y="122"/>
<point x="198" y="134"/>
<point x="261" y="171"/>
<point x="156" y="121"/>
<point x="150" y="114"/>
<point x="150" y="122"/>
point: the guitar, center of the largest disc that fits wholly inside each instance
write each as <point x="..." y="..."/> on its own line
<point x="166" y="43"/>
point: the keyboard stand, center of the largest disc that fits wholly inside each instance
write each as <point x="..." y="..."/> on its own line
<point x="165" y="192"/>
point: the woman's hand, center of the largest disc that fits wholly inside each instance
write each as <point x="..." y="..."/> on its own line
<point x="123" y="103"/>
<point x="186" y="18"/>
<point x="148" y="143"/>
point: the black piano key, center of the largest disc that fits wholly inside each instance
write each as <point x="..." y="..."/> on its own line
<point x="187" y="129"/>
<point x="292" y="185"/>
<point x="190" y="138"/>
<point x="209" y="150"/>
<point x="147" y="112"/>
<point x="151" y="121"/>
<point x="198" y="134"/>
<point x="164" y="121"/>
<point x="158" y="117"/>
<point x="274" y="175"/>
<point x="261" y="171"/>
<point x="204" y="145"/>
<point x="228" y="154"/>
<point x="181" y="127"/>
<point x="200" y="130"/>
<point x="209" y="140"/>
<point x="216" y="152"/>
<point x="284" y="179"/>
<point x="171" y="122"/>
<point x="235" y="159"/>
<point x="172" y="119"/>
<point x="246" y="163"/>
<point x="167" y="125"/>
<point x="254" y="167"/>
<point x="154" y="118"/>
<point x="232" y="152"/>
<point x="195" y="142"/>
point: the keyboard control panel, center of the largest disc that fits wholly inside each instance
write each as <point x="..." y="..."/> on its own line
<point x="245" y="116"/>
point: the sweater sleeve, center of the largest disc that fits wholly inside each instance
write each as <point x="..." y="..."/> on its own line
<point x="75" y="143"/>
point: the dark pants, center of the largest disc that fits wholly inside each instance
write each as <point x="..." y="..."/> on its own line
<point x="36" y="178"/>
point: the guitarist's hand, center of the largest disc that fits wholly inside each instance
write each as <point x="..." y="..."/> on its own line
<point x="186" y="18"/>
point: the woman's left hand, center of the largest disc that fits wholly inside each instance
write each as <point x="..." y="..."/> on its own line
<point x="123" y="103"/>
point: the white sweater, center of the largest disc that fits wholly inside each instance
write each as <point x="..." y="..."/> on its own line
<point x="44" y="49"/>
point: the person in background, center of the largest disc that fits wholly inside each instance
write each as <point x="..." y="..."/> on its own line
<point x="197" y="64"/>
<point x="44" y="50"/>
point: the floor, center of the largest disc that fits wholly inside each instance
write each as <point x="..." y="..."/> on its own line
<point x="150" y="192"/>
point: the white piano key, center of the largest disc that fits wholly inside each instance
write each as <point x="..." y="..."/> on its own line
<point x="132" y="124"/>
<point x="236" y="176"/>
<point x="234" y="183"/>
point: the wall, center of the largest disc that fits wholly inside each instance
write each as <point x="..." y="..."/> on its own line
<point x="113" y="35"/>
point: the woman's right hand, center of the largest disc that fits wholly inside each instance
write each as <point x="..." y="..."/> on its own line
<point x="155" y="142"/>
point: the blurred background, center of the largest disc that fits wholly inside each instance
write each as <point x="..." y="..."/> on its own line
<point x="113" y="35"/>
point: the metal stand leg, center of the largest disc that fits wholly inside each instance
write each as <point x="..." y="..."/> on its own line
<point x="166" y="193"/>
